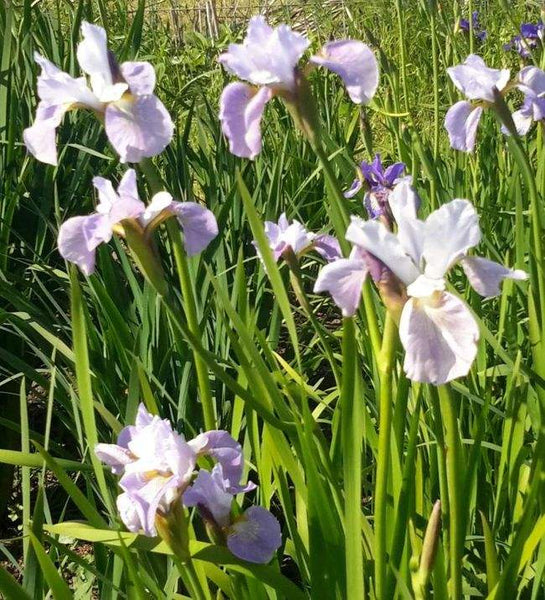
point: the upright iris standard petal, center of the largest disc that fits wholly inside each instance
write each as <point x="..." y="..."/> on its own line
<point x="267" y="56"/>
<point x="461" y="122"/>
<point x="531" y="81"/>
<point x="403" y="202"/>
<point x="355" y="64"/>
<point x="485" y="276"/>
<point x="477" y="81"/>
<point x="94" y="58"/>
<point x="286" y="235"/>
<point x="440" y="337"/>
<point x="79" y="238"/>
<point x="343" y="279"/>
<point x="138" y="127"/>
<point x="241" y="109"/>
<point x="449" y="233"/>
<point x="255" y="536"/>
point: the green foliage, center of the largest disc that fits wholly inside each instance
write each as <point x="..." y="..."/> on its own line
<point x="301" y="394"/>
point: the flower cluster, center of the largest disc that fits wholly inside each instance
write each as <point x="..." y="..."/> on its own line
<point x="484" y="87"/>
<point x="268" y="60"/>
<point x="136" y="122"/>
<point x="157" y="468"/>
<point x="437" y="330"/>
<point x="478" y="31"/>
<point x="530" y="37"/>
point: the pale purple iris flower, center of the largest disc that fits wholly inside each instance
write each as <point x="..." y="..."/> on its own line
<point x="253" y="536"/>
<point x="531" y="35"/>
<point x="267" y="59"/>
<point x="379" y="183"/>
<point x="80" y="236"/>
<point x="478" y="31"/>
<point x="478" y="83"/>
<point x="294" y="237"/>
<point x="155" y="464"/>
<point x="157" y="468"/>
<point x="437" y="329"/>
<point x="136" y="122"/>
<point x="531" y="81"/>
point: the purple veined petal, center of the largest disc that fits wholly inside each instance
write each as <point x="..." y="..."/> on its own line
<point x="198" y="224"/>
<point x="477" y="81"/>
<point x="378" y="241"/>
<point x="450" y="231"/>
<point x="355" y="64"/>
<point x="207" y="493"/>
<point x="267" y="56"/>
<point x="79" y="237"/>
<point x="461" y="122"/>
<point x="392" y="173"/>
<point x="356" y="186"/>
<point x="116" y="457"/>
<point x="95" y="60"/>
<point x="283" y="222"/>
<point x="40" y="137"/>
<point x="140" y="76"/>
<point x="138" y="127"/>
<point x="328" y="247"/>
<point x="404" y="203"/>
<point x="255" y="536"/>
<point x="127" y="186"/>
<point x="485" y="276"/>
<point x="241" y="109"/>
<point x="439" y="335"/>
<point x="343" y="279"/>
<point x="131" y="512"/>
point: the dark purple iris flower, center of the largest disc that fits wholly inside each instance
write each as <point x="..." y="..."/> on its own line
<point x="379" y="183"/>
<point x="531" y="35"/>
<point x="478" y="32"/>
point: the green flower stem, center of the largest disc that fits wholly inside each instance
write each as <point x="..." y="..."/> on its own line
<point x="351" y="416"/>
<point x="454" y="479"/>
<point x="385" y="364"/>
<point x="190" y="308"/>
<point x="339" y="217"/>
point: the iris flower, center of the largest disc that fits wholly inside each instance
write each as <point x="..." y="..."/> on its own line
<point x="531" y="34"/>
<point x="80" y="236"/>
<point x="253" y="536"/>
<point x="285" y="236"/>
<point x="437" y="329"/>
<point x="379" y="183"/>
<point x="479" y="84"/>
<point x="136" y="122"/>
<point x="267" y="59"/>
<point x="157" y="467"/>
